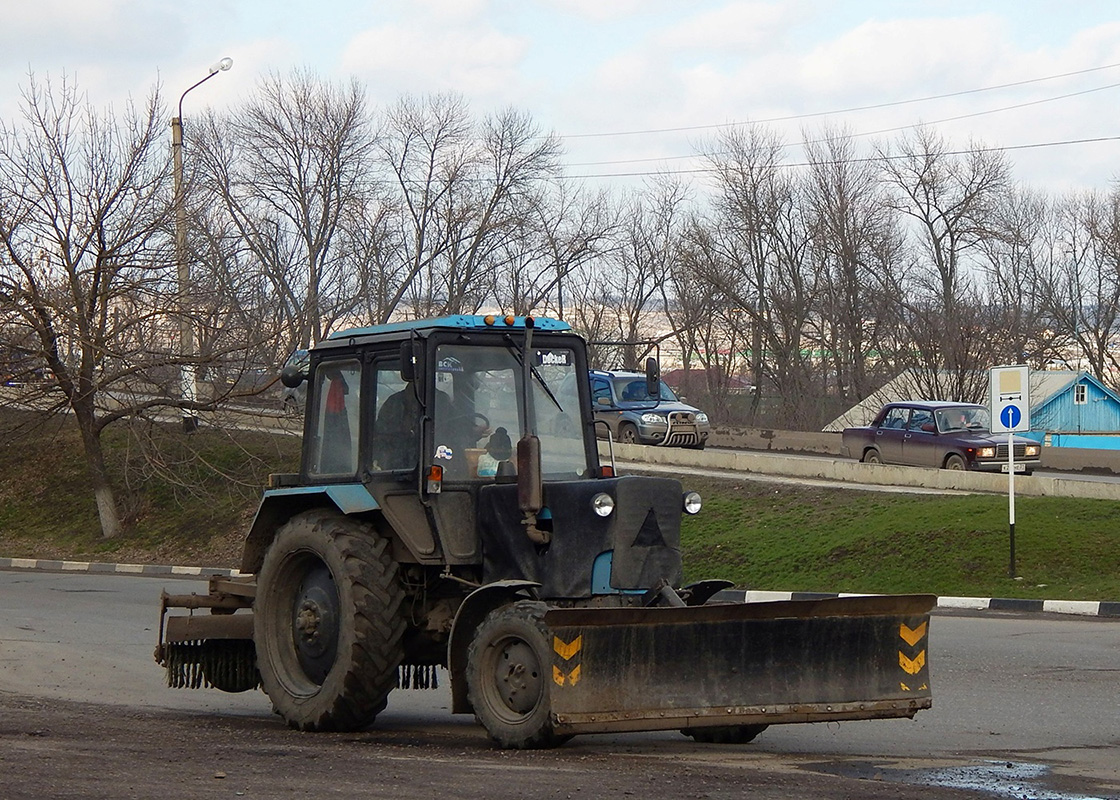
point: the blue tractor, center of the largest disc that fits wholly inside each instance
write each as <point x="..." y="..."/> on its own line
<point x="451" y="511"/>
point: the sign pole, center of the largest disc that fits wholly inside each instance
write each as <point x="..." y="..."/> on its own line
<point x="1009" y="389"/>
<point x="1011" y="497"/>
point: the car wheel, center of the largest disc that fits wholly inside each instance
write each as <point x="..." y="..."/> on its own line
<point x="954" y="462"/>
<point x="872" y="457"/>
<point x="628" y="434"/>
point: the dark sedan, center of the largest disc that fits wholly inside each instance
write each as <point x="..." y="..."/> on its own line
<point x="925" y="433"/>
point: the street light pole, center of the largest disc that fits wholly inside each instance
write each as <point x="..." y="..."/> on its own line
<point x="188" y="376"/>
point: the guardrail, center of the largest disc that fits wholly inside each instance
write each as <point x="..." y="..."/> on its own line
<point x="846" y="470"/>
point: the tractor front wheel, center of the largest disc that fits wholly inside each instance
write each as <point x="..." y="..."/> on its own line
<point x="509" y="675"/>
<point x="328" y="625"/>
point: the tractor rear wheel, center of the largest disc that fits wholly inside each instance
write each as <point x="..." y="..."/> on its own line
<point x="328" y="624"/>
<point x="509" y="675"/>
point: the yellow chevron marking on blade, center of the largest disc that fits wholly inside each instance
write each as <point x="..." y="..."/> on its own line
<point x="912" y="637"/>
<point x="567" y="649"/>
<point x="912" y="666"/>
<point x="904" y="687"/>
<point x="559" y="678"/>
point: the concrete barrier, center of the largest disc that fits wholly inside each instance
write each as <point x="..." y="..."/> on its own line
<point x="844" y="470"/>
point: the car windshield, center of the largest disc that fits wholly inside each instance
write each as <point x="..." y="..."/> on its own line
<point x="962" y="418"/>
<point x="633" y="390"/>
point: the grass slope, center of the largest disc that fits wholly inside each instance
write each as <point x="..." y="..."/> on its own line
<point x="183" y="499"/>
<point x="810" y="539"/>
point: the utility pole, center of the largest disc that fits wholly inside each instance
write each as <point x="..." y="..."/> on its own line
<point x="188" y="374"/>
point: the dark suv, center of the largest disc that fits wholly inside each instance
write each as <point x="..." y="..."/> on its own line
<point x="621" y="400"/>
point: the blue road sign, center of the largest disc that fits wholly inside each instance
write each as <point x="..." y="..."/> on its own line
<point x="1010" y="416"/>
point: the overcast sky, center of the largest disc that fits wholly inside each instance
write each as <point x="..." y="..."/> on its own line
<point x="642" y="68"/>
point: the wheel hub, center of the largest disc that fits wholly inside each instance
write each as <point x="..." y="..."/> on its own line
<point x="518" y="677"/>
<point x="315" y="623"/>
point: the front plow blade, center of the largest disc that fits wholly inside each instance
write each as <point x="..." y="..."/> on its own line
<point x="630" y="669"/>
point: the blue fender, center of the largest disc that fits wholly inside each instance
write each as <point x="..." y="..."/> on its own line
<point x="472" y="611"/>
<point x="279" y="505"/>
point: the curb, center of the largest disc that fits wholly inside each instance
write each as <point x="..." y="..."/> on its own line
<point x="1083" y="608"/>
<point x="146" y="570"/>
<point x="1076" y="607"/>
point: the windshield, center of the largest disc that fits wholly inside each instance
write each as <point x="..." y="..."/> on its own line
<point x="633" y="390"/>
<point x="962" y="418"/>
<point x="478" y="412"/>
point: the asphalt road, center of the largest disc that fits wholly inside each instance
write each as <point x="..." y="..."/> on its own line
<point x="1025" y="707"/>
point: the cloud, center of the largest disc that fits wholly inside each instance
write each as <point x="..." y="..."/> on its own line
<point x="474" y="61"/>
<point x="603" y="10"/>
<point x="881" y="56"/>
<point x="102" y="30"/>
<point x="729" y="27"/>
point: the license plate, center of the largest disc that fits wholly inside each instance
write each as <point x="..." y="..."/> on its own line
<point x="1018" y="467"/>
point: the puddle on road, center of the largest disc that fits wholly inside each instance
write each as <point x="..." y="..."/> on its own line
<point x="1001" y="779"/>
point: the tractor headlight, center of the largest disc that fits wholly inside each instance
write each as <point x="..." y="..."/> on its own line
<point x="692" y="502"/>
<point x="653" y="419"/>
<point x="602" y="504"/>
<point x="986" y="452"/>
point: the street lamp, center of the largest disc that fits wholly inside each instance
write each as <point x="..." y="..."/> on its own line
<point x="188" y="388"/>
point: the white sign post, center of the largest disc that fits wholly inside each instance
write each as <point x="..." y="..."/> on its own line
<point x="1011" y="413"/>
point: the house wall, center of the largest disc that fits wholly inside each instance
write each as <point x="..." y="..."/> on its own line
<point x="1101" y="441"/>
<point x="1099" y="414"/>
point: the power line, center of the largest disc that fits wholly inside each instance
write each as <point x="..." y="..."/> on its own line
<point x="842" y="110"/>
<point x="867" y="133"/>
<point x="864" y="160"/>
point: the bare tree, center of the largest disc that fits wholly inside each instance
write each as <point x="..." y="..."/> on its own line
<point x="84" y="279"/>
<point x="1079" y="289"/>
<point x="465" y="193"/>
<point x="765" y="265"/>
<point x="950" y="201"/>
<point x="561" y="233"/>
<point x="1017" y="253"/>
<point x="625" y="290"/>
<point x="857" y="240"/>
<point x="290" y="168"/>
<point x="707" y="324"/>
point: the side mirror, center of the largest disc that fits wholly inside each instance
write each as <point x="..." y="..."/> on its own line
<point x="530" y="489"/>
<point x="292" y="376"/>
<point x="603" y="401"/>
<point x="653" y="378"/>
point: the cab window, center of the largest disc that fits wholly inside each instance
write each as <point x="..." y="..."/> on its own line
<point x="334" y="450"/>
